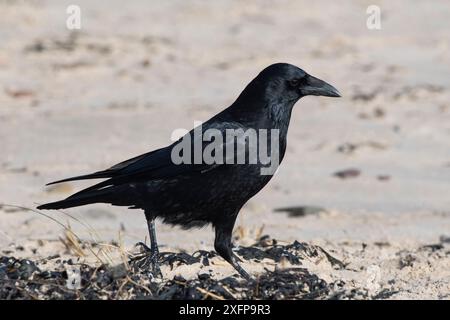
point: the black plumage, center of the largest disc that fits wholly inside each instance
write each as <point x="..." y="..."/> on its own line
<point x="192" y="195"/>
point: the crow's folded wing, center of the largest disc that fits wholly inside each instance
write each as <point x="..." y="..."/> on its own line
<point x="158" y="164"/>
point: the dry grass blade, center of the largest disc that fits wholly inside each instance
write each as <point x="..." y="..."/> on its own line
<point x="259" y="231"/>
<point x="228" y="291"/>
<point x="66" y="228"/>
<point x="210" y="294"/>
<point x="123" y="253"/>
<point x="139" y="285"/>
<point x="119" y="291"/>
<point x="72" y="244"/>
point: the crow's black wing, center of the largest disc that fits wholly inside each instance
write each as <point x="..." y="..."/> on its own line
<point x="154" y="165"/>
<point x="157" y="164"/>
<point x="110" y="172"/>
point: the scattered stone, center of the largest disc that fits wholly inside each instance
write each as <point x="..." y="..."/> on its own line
<point x="406" y="260"/>
<point x="19" y="93"/>
<point x="444" y="239"/>
<point x="347" y="173"/>
<point x="383" y="177"/>
<point x="433" y="247"/>
<point x="350" y="148"/>
<point x="301" y="211"/>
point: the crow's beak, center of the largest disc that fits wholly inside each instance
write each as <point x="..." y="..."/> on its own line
<point x="317" y="87"/>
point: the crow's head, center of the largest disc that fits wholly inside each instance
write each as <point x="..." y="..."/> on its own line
<point x="283" y="82"/>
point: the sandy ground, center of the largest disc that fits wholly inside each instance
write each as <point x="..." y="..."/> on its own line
<point x="75" y="102"/>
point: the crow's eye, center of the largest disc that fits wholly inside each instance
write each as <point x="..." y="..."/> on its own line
<point x="294" y="82"/>
<point x="297" y="82"/>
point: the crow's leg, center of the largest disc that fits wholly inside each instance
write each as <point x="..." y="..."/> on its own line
<point x="150" y="256"/>
<point x="223" y="246"/>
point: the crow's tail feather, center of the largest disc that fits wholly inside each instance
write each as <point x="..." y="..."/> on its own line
<point x="82" y="198"/>
<point x="96" y="175"/>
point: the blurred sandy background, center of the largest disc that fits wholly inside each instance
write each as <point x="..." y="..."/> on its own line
<point x="73" y="102"/>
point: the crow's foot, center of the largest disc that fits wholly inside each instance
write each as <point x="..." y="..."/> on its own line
<point x="147" y="260"/>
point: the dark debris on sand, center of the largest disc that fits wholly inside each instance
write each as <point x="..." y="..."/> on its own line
<point x="26" y="279"/>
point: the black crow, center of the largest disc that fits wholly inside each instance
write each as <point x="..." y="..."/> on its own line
<point x="193" y="193"/>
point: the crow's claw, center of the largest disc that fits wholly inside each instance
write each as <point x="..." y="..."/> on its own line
<point x="147" y="259"/>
